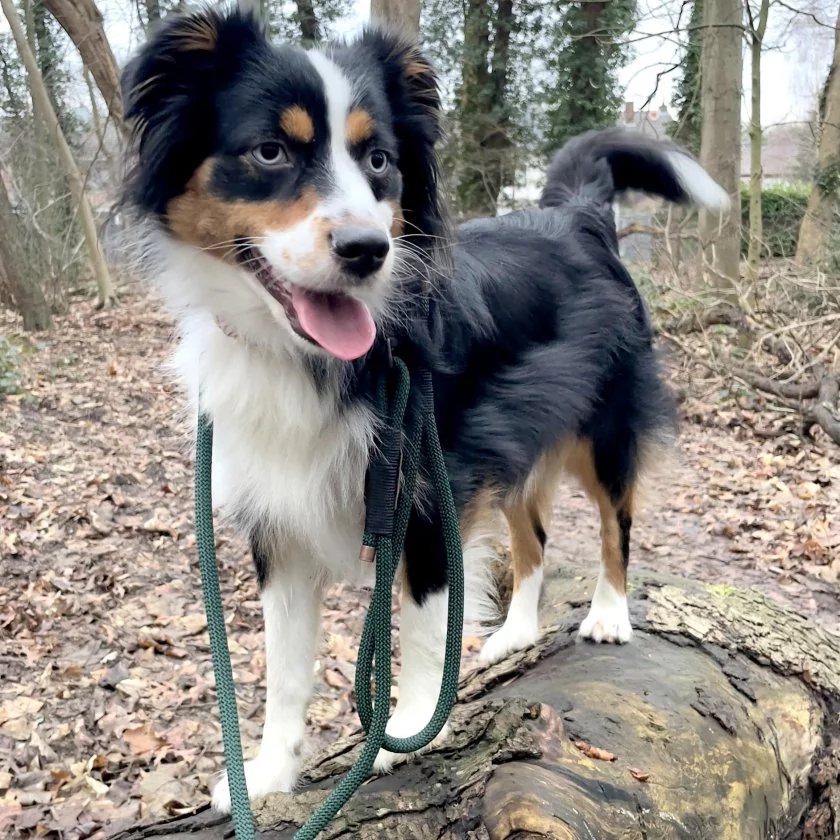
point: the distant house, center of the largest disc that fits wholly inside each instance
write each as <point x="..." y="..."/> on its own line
<point x="654" y="123"/>
<point x="787" y="153"/>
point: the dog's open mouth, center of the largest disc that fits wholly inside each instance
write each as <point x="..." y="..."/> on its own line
<point x="336" y="322"/>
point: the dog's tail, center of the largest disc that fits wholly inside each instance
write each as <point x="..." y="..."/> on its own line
<point x="598" y="165"/>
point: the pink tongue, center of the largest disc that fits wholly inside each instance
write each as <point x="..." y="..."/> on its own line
<point x="340" y="324"/>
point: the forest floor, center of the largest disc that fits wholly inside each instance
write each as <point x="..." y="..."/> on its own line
<point x="107" y="709"/>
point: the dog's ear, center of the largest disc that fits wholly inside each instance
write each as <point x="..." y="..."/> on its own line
<point x="168" y="90"/>
<point x="412" y="89"/>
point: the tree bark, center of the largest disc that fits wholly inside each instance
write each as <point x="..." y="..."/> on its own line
<point x="757" y="30"/>
<point x="720" y="141"/>
<point x="398" y="15"/>
<point x="721" y="714"/>
<point x="47" y="114"/>
<point x="308" y="21"/>
<point x="82" y="21"/>
<point x="26" y="292"/>
<point x="484" y="107"/>
<point x="152" y="12"/>
<point x="815" y="229"/>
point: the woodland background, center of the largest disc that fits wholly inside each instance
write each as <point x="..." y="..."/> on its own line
<point x="107" y="713"/>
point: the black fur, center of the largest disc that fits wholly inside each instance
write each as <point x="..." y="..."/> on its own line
<point x="537" y="332"/>
<point x="625" y="522"/>
<point x="597" y="165"/>
<point x="539" y="533"/>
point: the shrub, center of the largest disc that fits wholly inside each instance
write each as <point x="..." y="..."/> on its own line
<point x="782" y="209"/>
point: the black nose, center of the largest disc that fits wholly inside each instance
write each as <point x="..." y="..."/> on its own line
<point x="360" y="250"/>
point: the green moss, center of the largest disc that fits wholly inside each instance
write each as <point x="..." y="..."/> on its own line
<point x="722" y="589"/>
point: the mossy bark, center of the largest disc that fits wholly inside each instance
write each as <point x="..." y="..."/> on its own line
<point x="725" y="704"/>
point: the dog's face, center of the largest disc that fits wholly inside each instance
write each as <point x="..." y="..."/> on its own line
<point x="296" y="169"/>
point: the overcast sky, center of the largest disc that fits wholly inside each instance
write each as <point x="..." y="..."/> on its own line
<point x="792" y="69"/>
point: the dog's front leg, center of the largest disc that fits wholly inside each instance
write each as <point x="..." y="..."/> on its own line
<point x="291" y="600"/>
<point x="425" y="601"/>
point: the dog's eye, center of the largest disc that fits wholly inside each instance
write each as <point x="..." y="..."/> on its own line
<point x="270" y="154"/>
<point x="378" y="161"/>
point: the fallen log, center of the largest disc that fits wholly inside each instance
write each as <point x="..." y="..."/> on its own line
<point x="720" y="717"/>
<point x="822" y="412"/>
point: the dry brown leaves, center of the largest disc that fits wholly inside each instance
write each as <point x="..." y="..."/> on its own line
<point x="107" y="707"/>
<point x="595" y="752"/>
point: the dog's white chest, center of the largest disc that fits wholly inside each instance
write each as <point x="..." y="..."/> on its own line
<point x="285" y="454"/>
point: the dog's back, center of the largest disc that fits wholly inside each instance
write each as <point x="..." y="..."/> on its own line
<point x="550" y="364"/>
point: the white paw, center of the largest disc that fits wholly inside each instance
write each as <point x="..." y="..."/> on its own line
<point x="509" y="638"/>
<point x="607" y="623"/>
<point x="263" y="775"/>
<point x="404" y="725"/>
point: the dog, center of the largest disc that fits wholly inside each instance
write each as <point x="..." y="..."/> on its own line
<point x="292" y="213"/>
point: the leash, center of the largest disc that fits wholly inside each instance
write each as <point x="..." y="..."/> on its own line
<point x="388" y="508"/>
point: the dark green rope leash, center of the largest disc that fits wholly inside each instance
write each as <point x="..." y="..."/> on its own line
<point x="386" y="526"/>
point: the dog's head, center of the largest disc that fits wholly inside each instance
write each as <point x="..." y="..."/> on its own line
<point x="283" y="178"/>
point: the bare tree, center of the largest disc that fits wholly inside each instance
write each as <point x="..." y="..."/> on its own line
<point x="720" y="141"/>
<point x="816" y="224"/>
<point x="308" y="21"/>
<point x="46" y="113"/>
<point x="82" y="21"/>
<point x="152" y="12"/>
<point x="399" y="15"/>
<point x="755" y="36"/>
<point x="27" y="294"/>
<point x="485" y="110"/>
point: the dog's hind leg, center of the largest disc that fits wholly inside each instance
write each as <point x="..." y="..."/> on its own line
<point x="609" y="618"/>
<point x="528" y="521"/>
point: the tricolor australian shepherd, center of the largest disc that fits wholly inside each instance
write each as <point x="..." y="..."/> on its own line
<point x="294" y="214"/>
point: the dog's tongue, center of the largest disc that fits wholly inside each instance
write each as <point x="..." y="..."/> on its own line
<point x="342" y="325"/>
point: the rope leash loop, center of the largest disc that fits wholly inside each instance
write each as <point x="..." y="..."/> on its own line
<point x="205" y="538"/>
<point x="386" y="527"/>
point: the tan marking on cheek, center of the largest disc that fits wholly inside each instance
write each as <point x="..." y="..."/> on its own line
<point x="359" y="126"/>
<point x="398" y="221"/>
<point x="297" y="124"/>
<point x="200" y="218"/>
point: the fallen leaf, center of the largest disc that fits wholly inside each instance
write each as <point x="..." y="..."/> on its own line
<point x="594" y="752"/>
<point x="142" y="739"/>
<point x="639" y="775"/>
<point x="99" y="788"/>
<point x="334" y="679"/>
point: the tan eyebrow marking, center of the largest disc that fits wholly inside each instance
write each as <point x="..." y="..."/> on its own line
<point x="297" y="123"/>
<point x="359" y="126"/>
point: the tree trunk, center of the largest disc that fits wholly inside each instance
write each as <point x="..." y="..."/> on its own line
<point x="398" y="15"/>
<point x="814" y="232"/>
<point x="721" y="714"/>
<point x="98" y="128"/>
<point x="47" y="114"/>
<point x="82" y="21"/>
<point x="255" y="7"/>
<point x="27" y="294"/>
<point x="484" y="108"/>
<point x="758" y="27"/>
<point x="720" y="141"/>
<point x="152" y="12"/>
<point x="686" y="98"/>
<point x="308" y="21"/>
